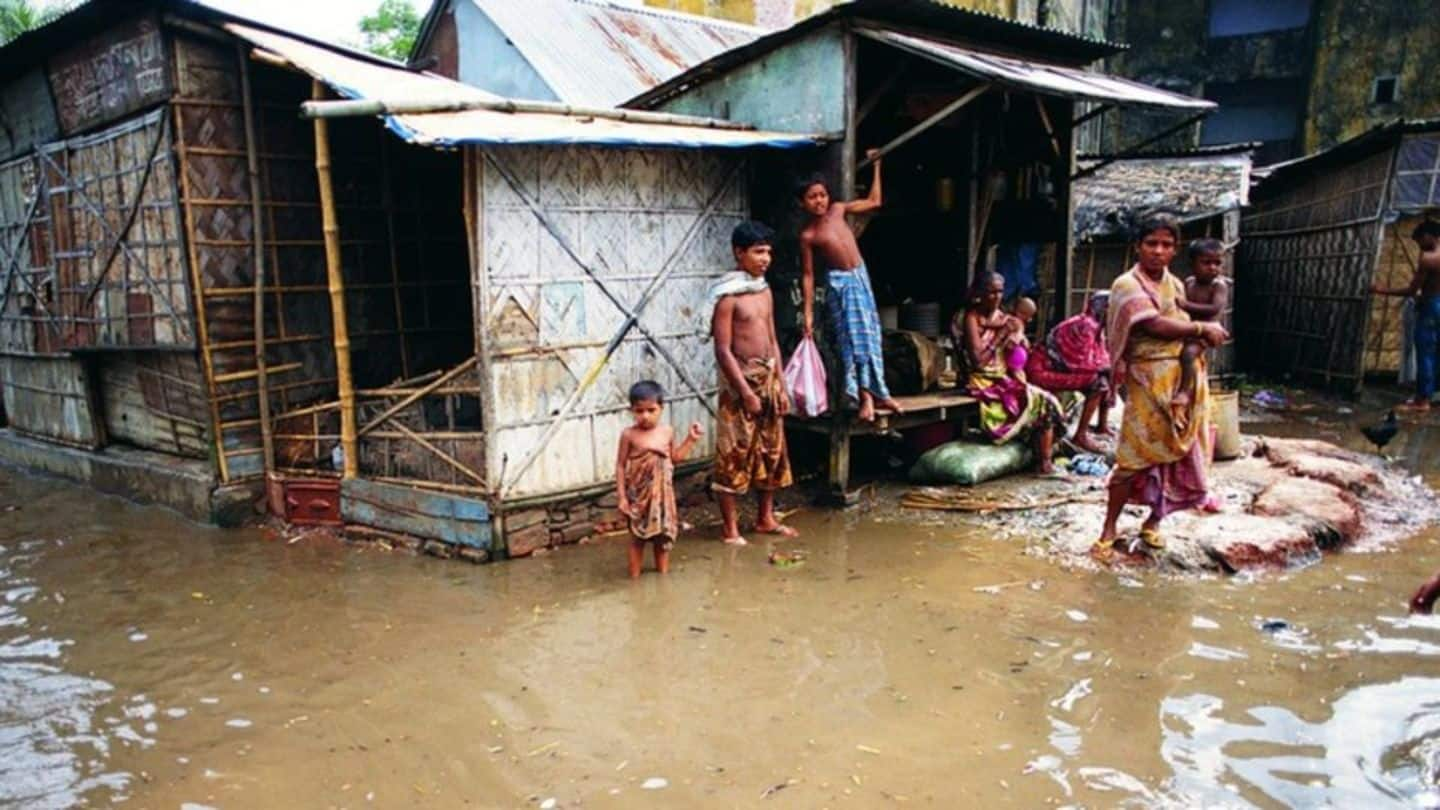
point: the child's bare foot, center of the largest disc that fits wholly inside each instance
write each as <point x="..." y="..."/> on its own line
<point x="737" y="540"/>
<point x="1085" y="442"/>
<point x="778" y="529"/>
<point x="1103" y="430"/>
<point x="867" y="407"/>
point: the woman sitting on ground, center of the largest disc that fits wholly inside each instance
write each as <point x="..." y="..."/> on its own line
<point x="1074" y="358"/>
<point x="1009" y="407"/>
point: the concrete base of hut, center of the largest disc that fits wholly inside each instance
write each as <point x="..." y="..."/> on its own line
<point x="1284" y="503"/>
<point x="185" y="485"/>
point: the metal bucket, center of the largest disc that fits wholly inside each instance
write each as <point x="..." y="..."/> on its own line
<point x="1225" y="416"/>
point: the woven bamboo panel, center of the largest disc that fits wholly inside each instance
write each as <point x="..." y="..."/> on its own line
<point x="1396" y="268"/>
<point x="624" y="214"/>
<point x="97" y="261"/>
<point x="1307" y="261"/>
<point x="49" y="398"/>
<point x="156" y="400"/>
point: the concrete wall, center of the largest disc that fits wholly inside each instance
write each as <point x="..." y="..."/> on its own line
<point x="1359" y="41"/>
<point x="797" y="88"/>
<point x="490" y="62"/>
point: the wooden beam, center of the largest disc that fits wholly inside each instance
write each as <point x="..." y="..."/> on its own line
<point x="1131" y="152"/>
<point x="944" y="112"/>
<point x="878" y="94"/>
<point x="349" y="446"/>
<point x="1049" y="127"/>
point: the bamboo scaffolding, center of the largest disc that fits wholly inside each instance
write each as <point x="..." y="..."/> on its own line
<point x="348" y="443"/>
<point x="201" y="326"/>
<point x="412" y="398"/>
<point x="257" y="253"/>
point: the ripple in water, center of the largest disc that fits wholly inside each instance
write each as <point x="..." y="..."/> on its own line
<point x="52" y="749"/>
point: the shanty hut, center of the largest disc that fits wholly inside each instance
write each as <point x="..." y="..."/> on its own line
<point x="591" y="53"/>
<point x="976" y="117"/>
<point x="412" y="322"/>
<point x="1206" y="188"/>
<point x="1321" y="231"/>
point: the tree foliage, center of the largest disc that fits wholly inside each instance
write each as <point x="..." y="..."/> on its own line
<point x="390" y="31"/>
<point x="19" y="16"/>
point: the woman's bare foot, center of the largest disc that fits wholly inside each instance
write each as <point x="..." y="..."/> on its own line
<point x="1085" y="442"/>
<point x="778" y="529"/>
<point x="1414" y="406"/>
<point x="1103" y="430"/>
<point x="737" y="540"/>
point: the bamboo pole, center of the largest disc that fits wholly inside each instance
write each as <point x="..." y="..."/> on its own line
<point x="257" y="253"/>
<point x="388" y="196"/>
<point x="398" y="106"/>
<point x="348" y="444"/>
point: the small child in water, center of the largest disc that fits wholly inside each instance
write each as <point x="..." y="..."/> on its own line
<point x="645" y="476"/>
<point x="1017" y="347"/>
<point x="1207" y="295"/>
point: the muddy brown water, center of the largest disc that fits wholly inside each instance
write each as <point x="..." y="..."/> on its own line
<point x="147" y="660"/>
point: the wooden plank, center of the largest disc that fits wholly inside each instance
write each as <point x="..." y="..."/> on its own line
<point x="422" y="513"/>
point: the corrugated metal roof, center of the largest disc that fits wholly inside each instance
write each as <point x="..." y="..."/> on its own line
<point x="597" y="53"/>
<point x="1192" y="187"/>
<point x="1040" y="77"/>
<point x="366" y="79"/>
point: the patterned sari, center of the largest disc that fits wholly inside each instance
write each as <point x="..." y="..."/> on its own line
<point x="1163" y="448"/>
<point x="1008" y="407"/>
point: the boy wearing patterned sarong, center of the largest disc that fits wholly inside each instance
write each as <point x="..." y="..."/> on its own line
<point x="750" y="437"/>
<point x="828" y="241"/>
<point x="645" y="476"/>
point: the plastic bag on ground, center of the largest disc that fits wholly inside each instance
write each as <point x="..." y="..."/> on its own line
<point x="969" y="463"/>
<point x="805" y="380"/>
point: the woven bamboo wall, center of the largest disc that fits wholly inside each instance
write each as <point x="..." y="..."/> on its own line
<point x="1307" y="260"/>
<point x="155" y="400"/>
<point x="91" y="229"/>
<point x="49" y="398"/>
<point x="1385" y="336"/>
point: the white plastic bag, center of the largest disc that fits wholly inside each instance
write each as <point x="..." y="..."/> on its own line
<point x="805" y="380"/>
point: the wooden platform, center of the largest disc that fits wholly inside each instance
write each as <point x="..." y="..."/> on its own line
<point x="952" y="405"/>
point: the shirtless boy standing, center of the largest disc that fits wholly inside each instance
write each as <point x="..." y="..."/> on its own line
<point x="750" y="434"/>
<point x="1207" y="296"/>
<point x="1426" y="286"/>
<point x="827" y="241"/>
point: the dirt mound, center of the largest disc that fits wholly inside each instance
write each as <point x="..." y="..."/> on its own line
<point x="1284" y="503"/>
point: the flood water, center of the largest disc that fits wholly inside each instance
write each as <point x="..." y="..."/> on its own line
<point x="150" y="662"/>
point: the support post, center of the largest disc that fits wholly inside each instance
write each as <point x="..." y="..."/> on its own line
<point x="252" y="161"/>
<point x="336" y="283"/>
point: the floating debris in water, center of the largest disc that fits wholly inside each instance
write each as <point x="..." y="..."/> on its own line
<point x="238" y="722"/>
<point x="655" y="783"/>
<point x="1202" y="623"/>
<point x="1077" y="615"/>
<point x="787" y="559"/>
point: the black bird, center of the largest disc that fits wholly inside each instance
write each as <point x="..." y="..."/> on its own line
<point x="1381" y="434"/>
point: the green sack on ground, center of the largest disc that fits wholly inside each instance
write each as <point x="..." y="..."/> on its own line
<point x="970" y="463"/>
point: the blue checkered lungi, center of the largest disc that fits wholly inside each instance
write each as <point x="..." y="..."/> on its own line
<point x="857" y="332"/>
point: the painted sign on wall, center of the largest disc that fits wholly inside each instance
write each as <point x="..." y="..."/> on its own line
<point x="110" y="75"/>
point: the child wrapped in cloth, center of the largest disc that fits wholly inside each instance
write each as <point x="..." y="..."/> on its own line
<point x="750" y="434"/>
